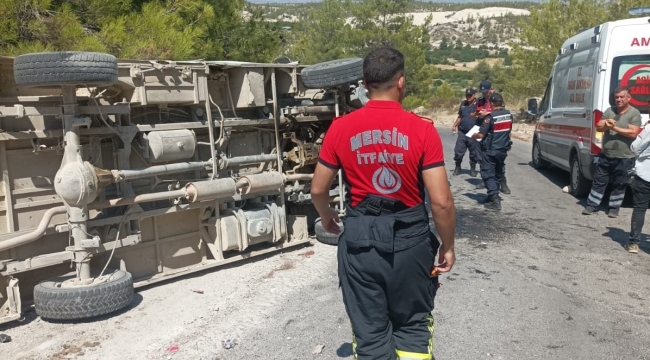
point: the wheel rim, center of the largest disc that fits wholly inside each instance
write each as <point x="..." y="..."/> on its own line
<point x="575" y="173"/>
<point x="536" y="153"/>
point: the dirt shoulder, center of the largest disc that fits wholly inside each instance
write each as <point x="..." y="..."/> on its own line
<point x="445" y="120"/>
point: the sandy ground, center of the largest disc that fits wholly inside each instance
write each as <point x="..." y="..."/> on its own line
<point x="443" y="17"/>
<point x="520" y="131"/>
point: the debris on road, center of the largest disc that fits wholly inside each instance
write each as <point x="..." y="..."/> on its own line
<point x="307" y="254"/>
<point x="198" y="291"/>
<point x="318" y="349"/>
<point x="228" y="343"/>
<point x="565" y="189"/>
<point x="173" y="348"/>
<point x="4" y="338"/>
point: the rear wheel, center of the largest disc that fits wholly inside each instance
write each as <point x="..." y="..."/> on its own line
<point x="62" y="298"/>
<point x="579" y="186"/>
<point x="538" y="162"/>
<point x="323" y="236"/>
<point x="65" y="68"/>
<point x="332" y="73"/>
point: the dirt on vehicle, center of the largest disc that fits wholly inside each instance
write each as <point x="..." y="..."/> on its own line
<point x="122" y="173"/>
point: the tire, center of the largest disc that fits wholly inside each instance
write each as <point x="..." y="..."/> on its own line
<point x="538" y="162"/>
<point x="73" y="303"/>
<point x="579" y="185"/>
<point x="323" y="236"/>
<point x="332" y="73"/>
<point x="65" y="68"/>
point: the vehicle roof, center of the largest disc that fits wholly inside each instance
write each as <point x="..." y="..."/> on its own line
<point x="202" y="63"/>
<point x="586" y="35"/>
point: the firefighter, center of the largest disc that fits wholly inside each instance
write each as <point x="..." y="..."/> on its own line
<point x="464" y="123"/>
<point x="620" y="126"/>
<point x="495" y="141"/>
<point x="386" y="254"/>
<point x="483" y="108"/>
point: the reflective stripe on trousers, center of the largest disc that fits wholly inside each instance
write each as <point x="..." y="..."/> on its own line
<point x="406" y="355"/>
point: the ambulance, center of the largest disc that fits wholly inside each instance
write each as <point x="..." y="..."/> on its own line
<point x="587" y="69"/>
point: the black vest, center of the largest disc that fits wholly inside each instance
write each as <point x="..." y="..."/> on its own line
<point x="498" y="140"/>
<point x="386" y="225"/>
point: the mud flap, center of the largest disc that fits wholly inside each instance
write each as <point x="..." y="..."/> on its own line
<point x="10" y="310"/>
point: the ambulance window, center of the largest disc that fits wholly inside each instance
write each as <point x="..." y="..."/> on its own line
<point x="634" y="72"/>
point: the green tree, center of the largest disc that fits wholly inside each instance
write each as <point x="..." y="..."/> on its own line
<point x="384" y="23"/>
<point x="373" y="23"/>
<point x="543" y="33"/>
<point x="150" y="29"/>
<point x="445" y="91"/>
<point x="325" y="34"/>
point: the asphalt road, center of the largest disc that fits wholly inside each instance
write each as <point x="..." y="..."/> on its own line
<point x="535" y="281"/>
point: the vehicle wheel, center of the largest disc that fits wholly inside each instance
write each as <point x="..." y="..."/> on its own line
<point x="323" y="235"/>
<point x="332" y="73"/>
<point x="538" y="162"/>
<point x="579" y="186"/>
<point x="54" y="300"/>
<point x="65" y="68"/>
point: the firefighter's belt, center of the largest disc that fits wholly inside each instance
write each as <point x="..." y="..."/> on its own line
<point x="386" y="225"/>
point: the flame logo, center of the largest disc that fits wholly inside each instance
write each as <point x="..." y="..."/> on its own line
<point x="386" y="181"/>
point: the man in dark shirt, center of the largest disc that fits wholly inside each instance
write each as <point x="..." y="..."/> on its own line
<point x="464" y="123"/>
<point x="386" y="252"/>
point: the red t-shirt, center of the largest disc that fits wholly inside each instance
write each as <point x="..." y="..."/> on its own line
<point x="382" y="151"/>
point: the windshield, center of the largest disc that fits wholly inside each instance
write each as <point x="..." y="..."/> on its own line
<point x="633" y="72"/>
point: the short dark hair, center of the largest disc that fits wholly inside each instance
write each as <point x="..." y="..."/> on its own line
<point x="621" y="89"/>
<point x="381" y="66"/>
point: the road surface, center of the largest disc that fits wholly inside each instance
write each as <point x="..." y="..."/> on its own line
<point x="536" y="281"/>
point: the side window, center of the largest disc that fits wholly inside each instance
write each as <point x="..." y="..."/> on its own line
<point x="632" y="71"/>
<point x="574" y="81"/>
<point x="543" y="106"/>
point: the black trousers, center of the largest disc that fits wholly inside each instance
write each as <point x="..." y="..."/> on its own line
<point x="640" y="199"/>
<point x="389" y="298"/>
<point x="607" y="166"/>
<point x="493" y="170"/>
<point x="463" y="143"/>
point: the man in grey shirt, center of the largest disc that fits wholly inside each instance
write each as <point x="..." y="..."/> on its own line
<point x="620" y="126"/>
<point x="640" y="186"/>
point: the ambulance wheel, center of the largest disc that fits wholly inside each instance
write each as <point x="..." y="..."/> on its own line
<point x="332" y="73"/>
<point x="62" y="299"/>
<point x="538" y="162"/>
<point x="65" y="68"/>
<point x="579" y="186"/>
<point x="323" y="236"/>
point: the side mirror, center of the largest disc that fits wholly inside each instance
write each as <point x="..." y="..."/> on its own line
<point x="532" y="107"/>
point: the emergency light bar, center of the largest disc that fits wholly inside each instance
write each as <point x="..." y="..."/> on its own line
<point x="638" y="11"/>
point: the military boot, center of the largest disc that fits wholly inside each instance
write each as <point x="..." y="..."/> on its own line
<point x="457" y="170"/>
<point x="472" y="171"/>
<point x="495" y="204"/>
<point x="504" y="186"/>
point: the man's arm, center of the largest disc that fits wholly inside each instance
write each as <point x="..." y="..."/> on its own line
<point x="640" y="144"/>
<point x="320" y="197"/>
<point x="630" y="132"/>
<point x="602" y="125"/>
<point x="444" y="214"/>
<point x="455" y="126"/>
<point x="485" y="127"/>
